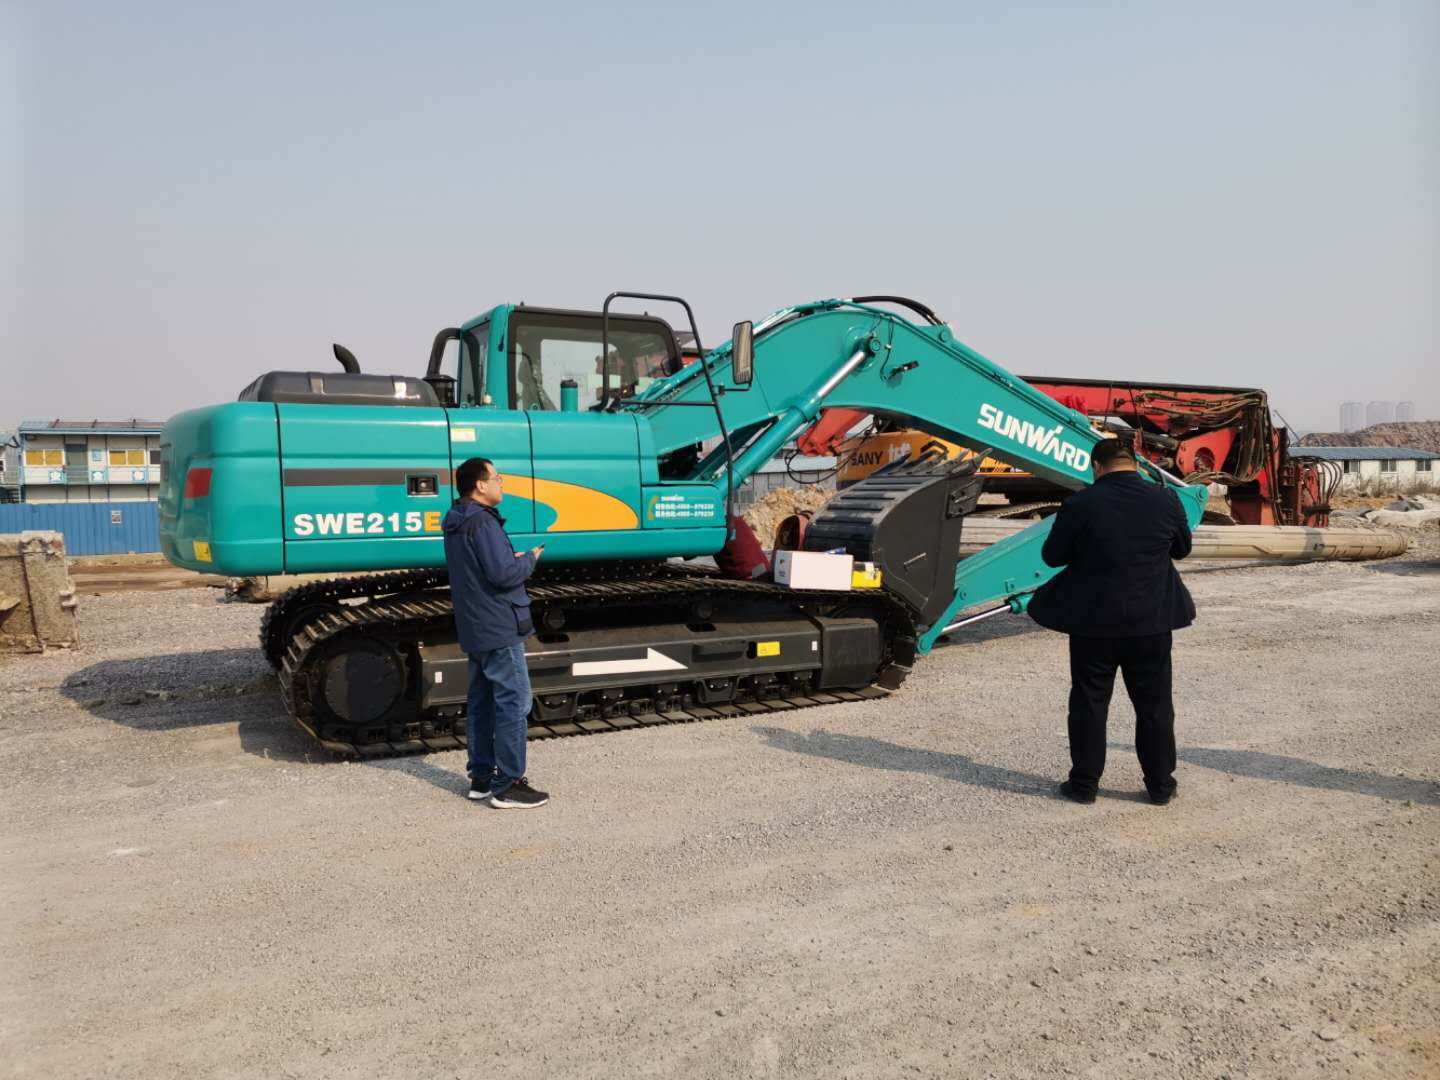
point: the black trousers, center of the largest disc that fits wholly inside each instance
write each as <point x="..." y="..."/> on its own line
<point x="1144" y="662"/>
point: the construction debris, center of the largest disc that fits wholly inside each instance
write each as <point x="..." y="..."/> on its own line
<point x="262" y="590"/>
<point x="1406" y="512"/>
<point x="37" y="599"/>
<point x="1405" y="519"/>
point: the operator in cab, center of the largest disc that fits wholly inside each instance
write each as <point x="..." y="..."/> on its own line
<point x="1119" y="598"/>
<point x="492" y="618"/>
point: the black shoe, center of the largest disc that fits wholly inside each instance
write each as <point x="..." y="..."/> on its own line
<point x="478" y="791"/>
<point x="519" y="796"/>
<point x="1160" y="798"/>
<point x="1075" y="793"/>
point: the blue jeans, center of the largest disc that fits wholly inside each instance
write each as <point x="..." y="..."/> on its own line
<point x="497" y="708"/>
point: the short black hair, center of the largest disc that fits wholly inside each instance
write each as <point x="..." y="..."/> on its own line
<point x="471" y="473"/>
<point x="1109" y="451"/>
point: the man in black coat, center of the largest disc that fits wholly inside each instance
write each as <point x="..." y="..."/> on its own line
<point x="1118" y="597"/>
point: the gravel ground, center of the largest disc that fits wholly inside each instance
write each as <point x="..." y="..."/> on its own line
<point x="885" y="889"/>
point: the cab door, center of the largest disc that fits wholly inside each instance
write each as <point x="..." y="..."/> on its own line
<point x="586" y="483"/>
<point x="503" y="438"/>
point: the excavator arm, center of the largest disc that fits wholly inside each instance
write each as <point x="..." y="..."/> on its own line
<point x="842" y="354"/>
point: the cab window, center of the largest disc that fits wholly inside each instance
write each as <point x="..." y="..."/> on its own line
<point x="546" y="348"/>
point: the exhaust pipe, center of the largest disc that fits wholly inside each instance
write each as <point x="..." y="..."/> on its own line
<point x="347" y="359"/>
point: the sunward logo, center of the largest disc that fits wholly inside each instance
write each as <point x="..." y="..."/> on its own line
<point x="1035" y="437"/>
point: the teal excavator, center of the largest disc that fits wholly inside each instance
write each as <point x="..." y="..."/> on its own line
<point x="624" y="460"/>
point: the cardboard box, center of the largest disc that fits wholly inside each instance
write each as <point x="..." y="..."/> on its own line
<point x="813" y="570"/>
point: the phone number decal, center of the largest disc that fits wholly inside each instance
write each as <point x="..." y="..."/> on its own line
<point x="412" y="522"/>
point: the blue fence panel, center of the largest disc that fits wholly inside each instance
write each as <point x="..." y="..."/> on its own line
<point x="90" y="528"/>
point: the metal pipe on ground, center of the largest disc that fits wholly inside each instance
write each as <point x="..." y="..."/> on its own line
<point x="1234" y="541"/>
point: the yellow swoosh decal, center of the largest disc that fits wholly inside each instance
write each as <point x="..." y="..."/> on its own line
<point x="577" y="508"/>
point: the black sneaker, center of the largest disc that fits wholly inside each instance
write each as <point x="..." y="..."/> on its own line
<point x="1160" y="798"/>
<point x="1075" y="793"/>
<point x="519" y="796"/>
<point x="478" y="791"/>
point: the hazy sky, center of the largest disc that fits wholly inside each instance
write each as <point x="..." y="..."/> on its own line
<point x="1236" y="193"/>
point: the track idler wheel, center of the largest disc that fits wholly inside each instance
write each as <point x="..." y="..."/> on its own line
<point x="359" y="684"/>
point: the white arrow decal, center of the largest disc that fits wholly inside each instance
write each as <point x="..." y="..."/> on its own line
<point x="653" y="660"/>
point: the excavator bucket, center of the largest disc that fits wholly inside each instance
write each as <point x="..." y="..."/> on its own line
<point x="907" y="520"/>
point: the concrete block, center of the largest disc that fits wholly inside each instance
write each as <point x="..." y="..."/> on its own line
<point x="37" y="599"/>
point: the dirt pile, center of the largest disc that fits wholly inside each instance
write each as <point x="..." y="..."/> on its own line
<point x="1417" y="435"/>
<point x="775" y="506"/>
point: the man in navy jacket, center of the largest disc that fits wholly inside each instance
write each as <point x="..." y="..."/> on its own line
<point x="1118" y="597"/>
<point x="492" y="617"/>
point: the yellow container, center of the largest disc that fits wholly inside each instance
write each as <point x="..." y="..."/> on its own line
<point x="865" y="575"/>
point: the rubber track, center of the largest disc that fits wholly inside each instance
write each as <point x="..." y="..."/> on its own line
<point x="336" y="590"/>
<point x="408" y="617"/>
<point x="372" y="586"/>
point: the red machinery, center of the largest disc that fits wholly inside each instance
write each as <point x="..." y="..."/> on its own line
<point x="1205" y="434"/>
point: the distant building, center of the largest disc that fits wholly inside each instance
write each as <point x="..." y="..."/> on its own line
<point x="1379" y="412"/>
<point x="88" y="460"/>
<point x="1405" y="412"/>
<point x="1400" y="467"/>
<point x="1352" y="416"/>
<point x="9" y="467"/>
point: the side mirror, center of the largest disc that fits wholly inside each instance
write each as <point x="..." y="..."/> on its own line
<point x="742" y="353"/>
